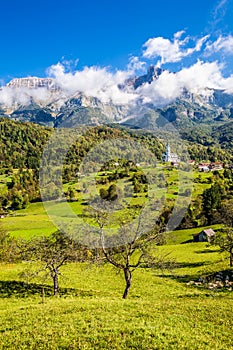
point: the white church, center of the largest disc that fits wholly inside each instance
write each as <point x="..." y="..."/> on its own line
<point x="170" y="157"/>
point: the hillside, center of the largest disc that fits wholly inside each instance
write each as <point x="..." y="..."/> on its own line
<point x="21" y="143"/>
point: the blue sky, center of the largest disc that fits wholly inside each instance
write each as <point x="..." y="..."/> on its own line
<point x="38" y="34"/>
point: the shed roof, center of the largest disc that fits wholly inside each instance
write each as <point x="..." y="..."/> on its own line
<point x="209" y="232"/>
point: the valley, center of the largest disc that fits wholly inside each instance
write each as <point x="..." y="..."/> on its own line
<point x="122" y="164"/>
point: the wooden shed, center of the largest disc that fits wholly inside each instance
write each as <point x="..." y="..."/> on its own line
<point x="204" y="236"/>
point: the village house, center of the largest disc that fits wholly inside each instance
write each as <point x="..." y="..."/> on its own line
<point x="204" y="167"/>
<point x="175" y="164"/>
<point x="216" y="166"/>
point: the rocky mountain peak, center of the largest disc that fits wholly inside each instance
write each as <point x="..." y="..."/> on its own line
<point x="152" y="74"/>
<point x="33" y="83"/>
<point x="51" y="103"/>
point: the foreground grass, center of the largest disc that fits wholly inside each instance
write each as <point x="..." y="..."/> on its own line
<point x="184" y="321"/>
<point x="162" y="311"/>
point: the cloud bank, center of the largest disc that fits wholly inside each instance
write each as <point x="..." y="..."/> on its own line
<point x="93" y="81"/>
<point x="109" y="86"/>
<point x="200" y="78"/>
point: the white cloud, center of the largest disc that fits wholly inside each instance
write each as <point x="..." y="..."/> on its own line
<point x="161" y="91"/>
<point x="93" y="81"/>
<point x="135" y="65"/>
<point x="179" y="34"/>
<point x="221" y="4"/>
<point x="224" y="44"/>
<point x="219" y="12"/>
<point x="9" y="96"/>
<point x="197" y="79"/>
<point x="171" y="51"/>
<point x="23" y="96"/>
<point x="103" y="83"/>
<point x="201" y="75"/>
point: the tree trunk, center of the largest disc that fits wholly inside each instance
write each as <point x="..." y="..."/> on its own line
<point x="42" y="295"/>
<point x="231" y="258"/>
<point x="55" y="283"/>
<point x="128" y="280"/>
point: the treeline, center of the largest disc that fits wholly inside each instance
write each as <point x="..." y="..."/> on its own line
<point x="215" y="204"/>
<point x="21" y="189"/>
<point x="22" y="145"/>
<point x="201" y="153"/>
<point x="206" y="142"/>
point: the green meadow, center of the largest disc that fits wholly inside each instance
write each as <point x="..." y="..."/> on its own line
<point x="34" y="220"/>
<point x="162" y="311"/>
<point x="29" y="222"/>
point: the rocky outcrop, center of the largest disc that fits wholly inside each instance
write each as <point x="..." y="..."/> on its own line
<point x="33" y="83"/>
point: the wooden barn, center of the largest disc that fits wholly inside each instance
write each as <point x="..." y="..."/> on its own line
<point x="204" y="236"/>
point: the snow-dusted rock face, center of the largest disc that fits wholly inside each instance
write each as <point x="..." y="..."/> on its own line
<point x="42" y="100"/>
<point x="33" y="83"/>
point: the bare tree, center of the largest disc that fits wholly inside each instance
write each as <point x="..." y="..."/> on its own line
<point x="53" y="252"/>
<point x="130" y="247"/>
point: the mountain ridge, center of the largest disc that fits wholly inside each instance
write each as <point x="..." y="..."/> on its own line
<point x="44" y="102"/>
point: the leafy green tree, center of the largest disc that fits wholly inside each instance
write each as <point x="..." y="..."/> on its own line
<point x="226" y="212"/>
<point x="17" y="200"/>
<point x="137" y="187"/>
<point x="71" y="193"/>
<point x="103" y="193"/>
<point x="224" y="239"/>
<point x="211" y="199"/>
<point x="112" y="192"/>
<point x="9" y="247"/>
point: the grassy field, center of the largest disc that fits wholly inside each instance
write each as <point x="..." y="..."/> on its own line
<point x="29" y="222"/>
<point x="182" y="236"/>
<point x="162" y="311"/>
<point x="34" y="220"/>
